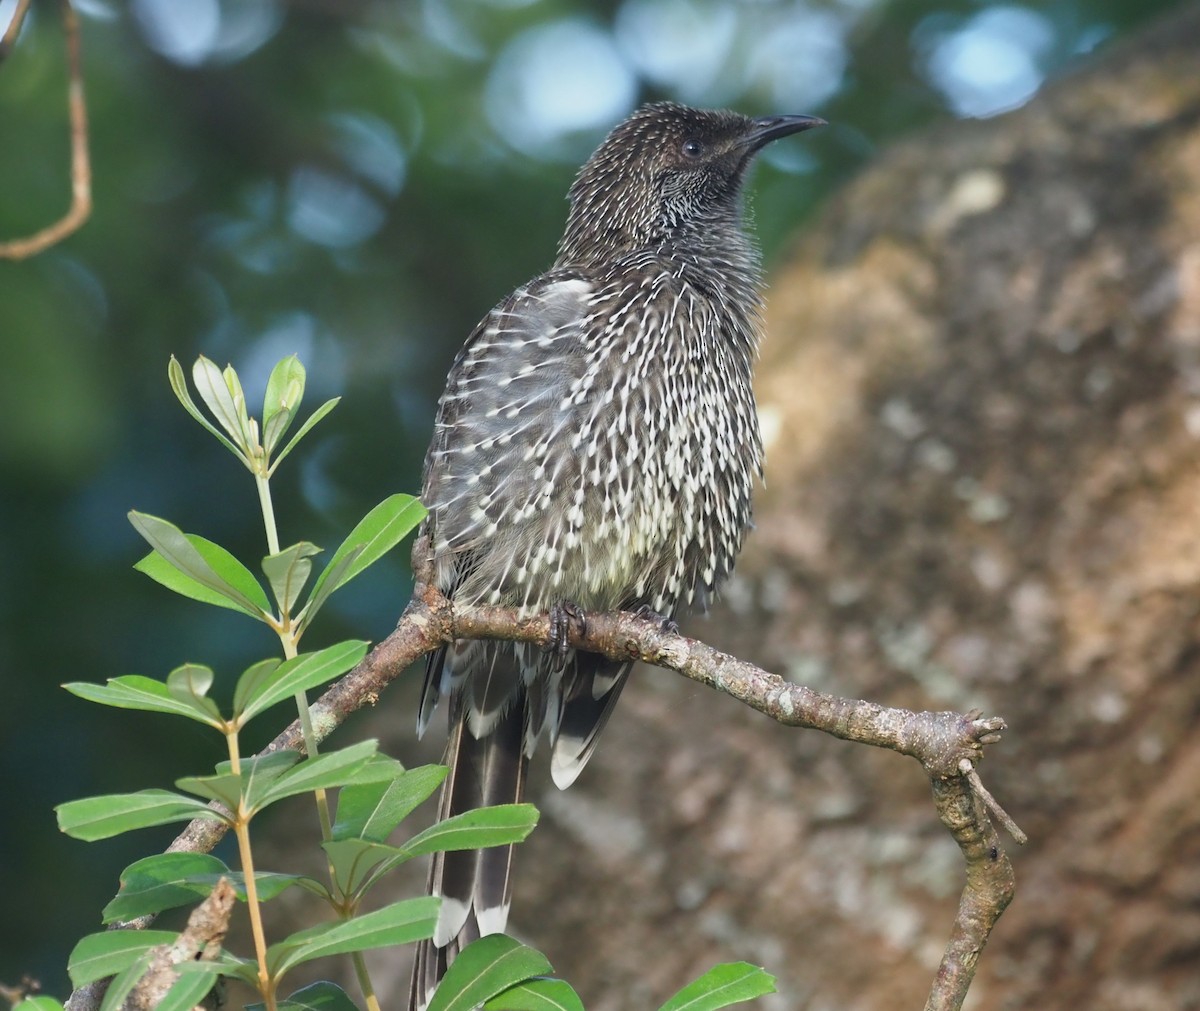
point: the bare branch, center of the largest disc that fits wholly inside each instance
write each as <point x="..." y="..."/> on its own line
<point x="81" y="168"/>
<point x="989" y="889"/>
<point x="946" y="744"/>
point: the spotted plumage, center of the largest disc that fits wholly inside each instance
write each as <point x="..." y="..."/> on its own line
<point x="597" y="443"/>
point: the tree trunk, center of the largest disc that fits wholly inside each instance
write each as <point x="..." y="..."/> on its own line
<point x="981" y="396"/>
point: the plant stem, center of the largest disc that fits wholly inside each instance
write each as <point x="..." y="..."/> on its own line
<point x="289" y="651"/>
<point x="364" y="981"/>
<point x="241" y="828"/>
<point x="268" y="512"/>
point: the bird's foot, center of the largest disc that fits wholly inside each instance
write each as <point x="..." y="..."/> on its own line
<point x="664" y="623"/>
<point x="561" y="616"/>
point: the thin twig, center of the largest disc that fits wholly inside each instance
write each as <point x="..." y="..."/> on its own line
<point x="9" y="39"/>
<point x="81" y="168"/>
<point x="1002" y="816"/>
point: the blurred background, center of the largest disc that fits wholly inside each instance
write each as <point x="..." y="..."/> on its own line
<point x="355" y="181"/>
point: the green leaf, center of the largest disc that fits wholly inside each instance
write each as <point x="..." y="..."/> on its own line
<point x="214" y="390"/>
<point x="399" y="923"/>
<point x="39" y="1004"/>
<point x="221" y="562"/>
<point x="377" y="533"/>
<point x="322" y="772"/>
<point x="723" y="985"/>
<point x="372" y="810"/>
<point x="190" y="681"/>
<point x="110" y="952"/>
<point x="249" y="683"/>
<point x="484" y="826"/>
<point x="170" y="880"/>
<point x="276" y="428"/>
<point x="285" y="390"/>
<point x="132" y="691"/>
<point x="355" y="860"/>
<point x="257" y="773"/>
<point x="299" y="674"/>
<point x="322" y="996"/>
<point x="123" y="984"/>
<point x="101" y="817"/>
<point x="190" y="684"/>
<point x="313" y="418"/>
<point x="225" y="788"/>
<point x="161" y="882"/>
<point x="288" y="571"/>
<point x="179" y="385"/>
<point x="539" y="994"/>
<point x="194" y="982"/>
<point x="485" y="968"/>
<point x="331" y="577"/>
<point x="217" y="571"/>
<point x="269" y="884"/>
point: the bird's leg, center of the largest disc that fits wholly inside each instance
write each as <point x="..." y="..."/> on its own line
<point x="665" y="623"/>
<point x="561" y="616"/>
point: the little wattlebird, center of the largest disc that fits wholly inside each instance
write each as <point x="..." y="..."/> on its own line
<point x="595" y="448"/>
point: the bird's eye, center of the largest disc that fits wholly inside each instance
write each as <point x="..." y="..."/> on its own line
<point x="692" y="148"/>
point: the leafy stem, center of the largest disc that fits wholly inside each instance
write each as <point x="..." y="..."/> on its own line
<point x="241" y="828"/>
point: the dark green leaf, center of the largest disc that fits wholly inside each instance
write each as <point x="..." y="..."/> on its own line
<point x="109" y="952"/>
<point x="217" y="571"/>
<point x="540" y="994"/>
<point x="101" y="817"/>
<point x="161" y="882"/>
<point x="372" y="810"/>
<point x="301" y="673"/>
<point x="132" y="691"/>
<point x="485" y="826"/>
<point x="723" y="985"/>
<point x="288" y="571"/>
<point x="269" y="884"/>
<point x="485" y="968"/>
<point x="322" y="996"/>
<point x="399" y="923"/>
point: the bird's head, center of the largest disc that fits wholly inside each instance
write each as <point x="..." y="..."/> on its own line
<point x="665" y="172"/>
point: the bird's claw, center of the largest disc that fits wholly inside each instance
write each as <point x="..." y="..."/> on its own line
<point x="561" y="616"/>
<point x="665" y="623"/>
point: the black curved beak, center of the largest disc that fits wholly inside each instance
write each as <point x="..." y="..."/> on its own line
<point x="769" y="128"/>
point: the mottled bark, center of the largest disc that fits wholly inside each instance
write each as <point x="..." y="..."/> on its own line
<point x="981" y="391"/>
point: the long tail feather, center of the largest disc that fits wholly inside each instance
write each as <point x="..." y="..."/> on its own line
<point x="474" y="885"/>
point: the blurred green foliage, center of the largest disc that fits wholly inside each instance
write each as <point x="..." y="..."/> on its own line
<point x="357" y="181"/>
